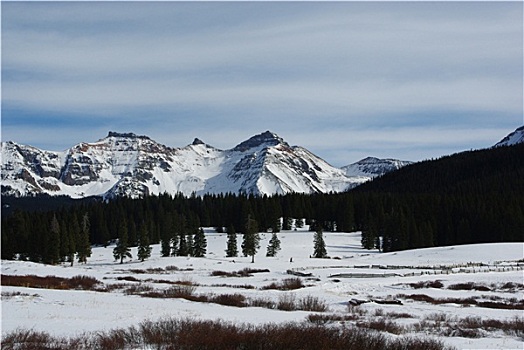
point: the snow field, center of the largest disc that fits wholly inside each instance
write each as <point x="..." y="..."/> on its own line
<point x="73" y="312"/>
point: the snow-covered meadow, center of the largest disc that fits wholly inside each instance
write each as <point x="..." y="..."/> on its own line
<point x="351" y="274"/>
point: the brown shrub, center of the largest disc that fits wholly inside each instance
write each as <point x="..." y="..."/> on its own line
<point x="128" y="278"/>
<point x="382" y="325"/>
<point x="237" y="300"/>
<point x="286" y="284"/>
<point x="469" y="286"/>
<point x="217" y="335"/>
<point x="286" y="302"/>
<point x="51" y="282"/>
<point x="312" y="303"/>
<point x="426" y="284"/>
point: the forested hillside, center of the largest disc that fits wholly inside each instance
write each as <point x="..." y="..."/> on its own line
<point x="474" y="196"/>
<point x="471" y="197"/>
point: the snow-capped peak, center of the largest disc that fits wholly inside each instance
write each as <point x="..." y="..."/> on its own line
<point x="126" y="164"/>
<point x="373" y="167"/>
<point x="514" y="138"/>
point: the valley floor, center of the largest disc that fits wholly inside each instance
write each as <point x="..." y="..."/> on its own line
<point x="470" y="296"/>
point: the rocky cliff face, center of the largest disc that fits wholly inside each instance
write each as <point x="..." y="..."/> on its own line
<point x="125" y="164"/>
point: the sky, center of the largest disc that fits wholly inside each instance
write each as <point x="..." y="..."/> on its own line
<point x="346" y="80"/>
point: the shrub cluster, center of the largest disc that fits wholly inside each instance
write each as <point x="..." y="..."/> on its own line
<point x="247" y="272"/>
<point x="216" y="335"/>
<point x="509" y="304"/>
<point x="286" y="284"/>
<point x="426" y="284"/>
<point x="51" y="282"/>
<point x="469" y="327"/>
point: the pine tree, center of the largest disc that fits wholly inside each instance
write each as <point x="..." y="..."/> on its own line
<point x="182" y="245"/>
<point x="83" y="244"/>
<point x="190" y="244"/>
<point x="199" y="244"/>
<point x="166" y="237"/>
<point x="286" y="223"/>
<point x="52" y="255"/>
<point x="299" y="223"/>
<point x="320" y="245"/>
<point x="232" y="249"/>
<point x="122" y="249"/>
<point x="144" y="249"/>
<point x="250" y="243"/>
<point x="274" y="245"/>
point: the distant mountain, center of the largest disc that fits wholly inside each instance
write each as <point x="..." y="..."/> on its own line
<point x="514" y="138"/>
<point x="372" y="167"/>
<point x="126" y="164"/>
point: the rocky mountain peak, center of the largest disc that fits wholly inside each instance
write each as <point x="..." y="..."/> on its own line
<point x="198" y="141"/>
<point x="131" y="165"/>
<point x="267" y="138"/>
<point x="127" y="135"/>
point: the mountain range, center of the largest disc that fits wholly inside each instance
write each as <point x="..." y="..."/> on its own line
<point x="126" y="164"/>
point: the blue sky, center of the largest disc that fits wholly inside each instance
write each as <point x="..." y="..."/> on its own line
<point x="407" y="80"/>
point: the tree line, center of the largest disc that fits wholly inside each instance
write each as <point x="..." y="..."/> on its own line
<point x="471" y="197"/>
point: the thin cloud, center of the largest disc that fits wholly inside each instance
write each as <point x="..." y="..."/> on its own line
<point x="242" y="68"/>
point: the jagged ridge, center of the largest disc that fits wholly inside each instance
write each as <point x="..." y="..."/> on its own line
<point x="126" y="164"/>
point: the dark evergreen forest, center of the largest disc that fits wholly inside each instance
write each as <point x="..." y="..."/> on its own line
<point x="470" y="197"/>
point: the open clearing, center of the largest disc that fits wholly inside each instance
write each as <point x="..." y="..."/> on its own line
<point x="470" y="296"/>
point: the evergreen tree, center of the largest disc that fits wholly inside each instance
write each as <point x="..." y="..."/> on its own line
<point x="299" y="223"/>
<point x="182" y="246"/>
<point x="286" y="223"/>
<point x="64" y="241"/>
<point x="144" y="249"/>
<point x="232" y="249"/>
<point x="83" y="244"/>
<point x="274" y="245"/>
<point x="52" y="255"/>
<point x="320" y="245"/>
<point x="165" y="246"/>
<point x="122" y="249"/>
<point x="190" y="239"/>
<point x="250" y="243"/>
<point x="166" y="237"/>
<point x="199" y="244"/>
<point x="275" y="226"/>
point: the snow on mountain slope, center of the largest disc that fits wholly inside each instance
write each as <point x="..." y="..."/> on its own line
<point x="132" y="165"/>
<point x="514" y="138"/>
<point x="373" y="167"/>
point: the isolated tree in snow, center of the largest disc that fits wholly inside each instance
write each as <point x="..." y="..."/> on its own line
<point x="122" y="249"/>
<point x="144" y="249"/>
<point x="232" y="249"/>
<point x="199" y="244"/>
<point x="250" y="243"/>
<point x="83" y="245"/>
<point x="274" y="245"/>
<point x="320" y="245"/>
